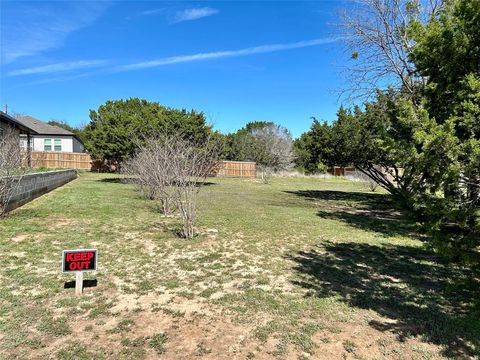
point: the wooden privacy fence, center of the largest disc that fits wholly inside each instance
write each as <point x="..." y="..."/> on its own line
<point x="236" y="169"/>
<point x="82" y="161"/>
<point x="342" y="171"/>
<point x="61" y="160"/>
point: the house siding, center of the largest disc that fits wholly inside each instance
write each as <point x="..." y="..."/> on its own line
<point x="39" y="142"/>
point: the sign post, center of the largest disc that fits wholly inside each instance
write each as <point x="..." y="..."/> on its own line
<point x="79" y="283"/>
<point x="79" y="261"/>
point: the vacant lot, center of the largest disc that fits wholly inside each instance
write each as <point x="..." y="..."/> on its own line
<point x="300" y="268"/>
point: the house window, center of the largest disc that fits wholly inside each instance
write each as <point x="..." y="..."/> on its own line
<point x="58" y="144"/>
<point x="47" y="145"/>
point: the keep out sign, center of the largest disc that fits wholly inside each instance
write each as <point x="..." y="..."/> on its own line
<point x="79" y="260"/>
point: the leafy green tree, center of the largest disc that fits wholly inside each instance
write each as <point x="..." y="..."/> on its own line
<point x="311" y="148"/>
<point x="243" y="146"/>
<point x="384" y="141"/>
<point x="257" y="125"/>
<point x="447" y="53"/>
<point x="422" y="143"/>
<point x="268" y="144"/>
<point x="117" y="125"/>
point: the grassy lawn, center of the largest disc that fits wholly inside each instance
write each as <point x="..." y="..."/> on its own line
<point x="300" y="268"/>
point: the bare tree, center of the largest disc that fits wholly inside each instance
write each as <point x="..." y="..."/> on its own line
<point x="376" y="34"/>
<point x="191" y="163"/>
<point x="276" y="149"/>
<point x="173" y="169"/>
<point x="11" y="162"/>
<point x="138" y="170"/>
<point x="150" y="170"/>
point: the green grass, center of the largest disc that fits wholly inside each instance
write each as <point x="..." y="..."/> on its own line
<point x="301" y="266"/>
<point x="157" y="342"/>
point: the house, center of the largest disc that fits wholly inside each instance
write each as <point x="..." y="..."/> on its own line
<point x="9" y="122"/>
<point x="48" y="137"/>
<point x="23" y="132"/>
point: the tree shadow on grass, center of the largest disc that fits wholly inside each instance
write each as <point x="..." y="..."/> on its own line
<point x="386" y="223"/>
<point x="371" y="200"/>
<point x="365" y="211"/>
<point x="116" y="180"/>
<point x="424" y="295"/>
<point x="128" y="180"/>
<point x="86" y="284"/>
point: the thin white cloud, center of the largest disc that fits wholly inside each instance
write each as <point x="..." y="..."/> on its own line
<point x="151" y="12"/>
<point x="183" y="59"/>
<point x="193" y="14"/>
<point x="55" y="79"/>
<point x="31" y="28"/>
<point x="58" y="67"/>
<point x="224" y="54"/>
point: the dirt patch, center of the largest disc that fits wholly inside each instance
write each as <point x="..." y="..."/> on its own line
<point x="357" y="340"/>
<point x="20" y="238"/>
<point x="130" y="302"/>
<point x="55" y="223"/>
<point x="191" y="335"/>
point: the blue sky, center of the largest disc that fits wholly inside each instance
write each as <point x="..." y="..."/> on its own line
<point x="236" y="61"/>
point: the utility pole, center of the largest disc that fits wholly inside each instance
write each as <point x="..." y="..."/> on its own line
<point x="6" y="109"/>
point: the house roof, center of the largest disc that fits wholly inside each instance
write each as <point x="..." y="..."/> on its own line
<point x="42" y="128"/>
<point x="14" y="122"/>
